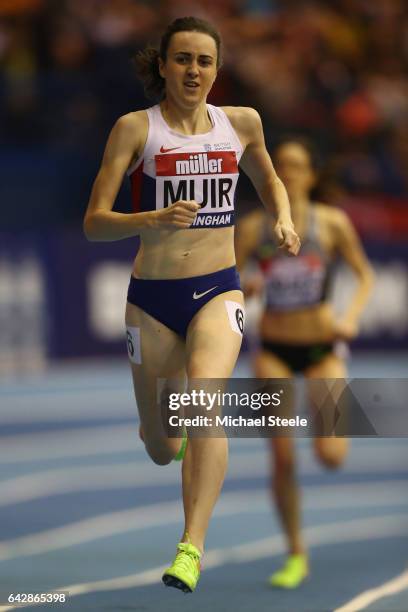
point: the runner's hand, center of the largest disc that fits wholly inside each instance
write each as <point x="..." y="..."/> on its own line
<point x="179" y="215"/>
<point x="287" y="237"/>
<point x="345" y="330"/>
<point x="253" y="286"/>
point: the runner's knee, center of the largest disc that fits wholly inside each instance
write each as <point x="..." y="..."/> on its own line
<point x="331" y="454"/>
<point x="159" y="455"/>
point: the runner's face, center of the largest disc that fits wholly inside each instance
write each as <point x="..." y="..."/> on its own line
<point x="190" y="68"/>
<point x="293" y="166"/>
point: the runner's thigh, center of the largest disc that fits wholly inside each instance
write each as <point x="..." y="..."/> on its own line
<point x="214" y="337"/>
<point x="158" y="353"/>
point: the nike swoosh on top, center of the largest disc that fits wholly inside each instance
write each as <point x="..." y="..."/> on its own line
<point x="163" y="150"/>
<point x="197" y="296"/>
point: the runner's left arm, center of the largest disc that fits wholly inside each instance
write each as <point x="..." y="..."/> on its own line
<point x="350" y="248"/>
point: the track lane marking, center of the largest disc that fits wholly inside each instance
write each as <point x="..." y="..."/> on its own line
<point x="366" y="598"/>
<point x="355" y="530"/>
<point x="153" y="515"/>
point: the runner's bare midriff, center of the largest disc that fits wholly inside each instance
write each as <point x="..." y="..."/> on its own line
<point x="184" y="253"/>
<point x="308" y="326"/>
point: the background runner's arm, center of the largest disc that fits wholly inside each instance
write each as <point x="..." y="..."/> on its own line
<point x="257" y="164"/>
<point x="247" y="232"/>
<point x="247" y="236"/>
<point x="350" y="248"/>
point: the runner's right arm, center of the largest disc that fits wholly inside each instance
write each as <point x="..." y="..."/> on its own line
<point x="125" y="144"/>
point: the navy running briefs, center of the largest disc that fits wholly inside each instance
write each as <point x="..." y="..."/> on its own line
<point x="174" y="302"/>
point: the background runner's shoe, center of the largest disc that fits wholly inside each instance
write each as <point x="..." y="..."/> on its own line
<point x="292" y="573"/>
<point x="182" y="451"/>
<point x="185" y="571"/>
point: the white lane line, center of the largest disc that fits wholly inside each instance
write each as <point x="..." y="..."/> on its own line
<point x="106" y="440"/>
<point x="91" y="529"/>
<point x="159" y="514"/>
<point x="355" y="530"/>
<point x="46" y="483"/>
<point x="366" y="598"/>
<point x="68" y="405"/>
<point x="83" y="442"/>
<point x="82" y="478"/>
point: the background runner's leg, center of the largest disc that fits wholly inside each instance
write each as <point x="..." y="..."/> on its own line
<point x="330" y="451"/>
<point x="284" y="487"/>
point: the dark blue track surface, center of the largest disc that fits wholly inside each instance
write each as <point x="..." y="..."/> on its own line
<point x="83" y="507"/>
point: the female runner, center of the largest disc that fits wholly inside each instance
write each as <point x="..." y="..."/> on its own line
<point x="184" y="306"/>
<point x="298" y="329"/>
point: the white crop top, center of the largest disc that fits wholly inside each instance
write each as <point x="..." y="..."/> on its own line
<point x="201" y="167"/>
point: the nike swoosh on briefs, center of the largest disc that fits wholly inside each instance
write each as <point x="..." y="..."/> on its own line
<point x="163" y="150"/>
<point x="197" y="296"/>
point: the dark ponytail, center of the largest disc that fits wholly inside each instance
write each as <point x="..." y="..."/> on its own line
<point x="147" y="69"/>
<point x="147" y="61"/>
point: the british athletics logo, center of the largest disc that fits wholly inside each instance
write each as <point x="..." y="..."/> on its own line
<point x="208" y="178"/>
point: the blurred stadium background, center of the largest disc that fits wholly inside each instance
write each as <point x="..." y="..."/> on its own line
<point x="335" y="71"/>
